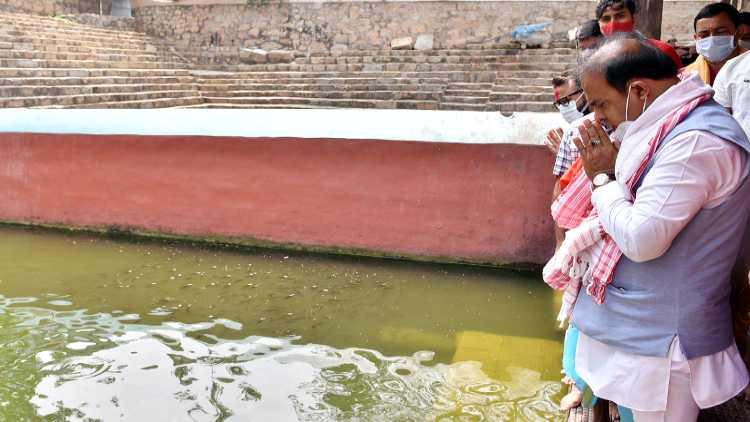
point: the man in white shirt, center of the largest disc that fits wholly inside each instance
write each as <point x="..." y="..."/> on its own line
<point x="661" y="342"/>
<point x="732" y="88"/>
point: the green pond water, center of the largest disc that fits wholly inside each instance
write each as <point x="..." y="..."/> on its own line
<point x="94" y="329"/>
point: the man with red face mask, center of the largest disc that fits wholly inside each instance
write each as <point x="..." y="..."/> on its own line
<point x="619" y="16"/>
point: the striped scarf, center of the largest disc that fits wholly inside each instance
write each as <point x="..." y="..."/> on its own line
<point x="573" y="211"/>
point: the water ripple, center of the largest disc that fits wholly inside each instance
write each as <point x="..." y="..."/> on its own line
<point x="117" y="369"/>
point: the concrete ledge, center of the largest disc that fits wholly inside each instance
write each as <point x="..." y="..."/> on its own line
<point x="464" y="127"/>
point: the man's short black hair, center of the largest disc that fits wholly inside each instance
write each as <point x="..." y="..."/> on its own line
<point x="605" y="4"/>
<point x="559" y="81"/>
<point x="715" y="9"/>
<point x="642" y="61"/>
<point x="589" y="29"/>
<point x="565" y="76"/>
<point x="744" y="18"/>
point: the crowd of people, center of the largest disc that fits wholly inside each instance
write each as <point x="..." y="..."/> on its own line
<point x="651" y="203"/>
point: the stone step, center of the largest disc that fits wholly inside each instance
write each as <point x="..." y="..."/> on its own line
<point x="392" y="67"/>
<point x="325" y="102"/>
<point x="151" y="103"/>
<point x="502" y="97"/>
<point x="465" y="77"/>
<point x="41" y="25"/>
<point x="85" y="99"/>
<point x="253" y="106"/>
<point x="37" y="55"/>
<point x="503" y="87"/>
<point x="521" y="106"/>
<point x="528" y="74"/>
<point x="339" y="86"/>
<point x="97" y="80"/>
<point x="325" y="81"/>
<point x="467" y="93"/>
<point x="67" y="90"/>
<point x="209" y="55"/>
<point x="355" y="95"/>
<point x="471" y="86"/>
<point x="437" y="59"/>
<point x="77" y="64"/>
<point x="462" y="106"/>
<point x="232" y="60"/>
<point x="61" y="41"/>
<point x="50" y="20"/>
<point x="61" y="36"/>
<point x="544" y="81"/>
<point x="84" y="37"/>
<point x="109" y="49"/>
<point x="9" y="72"/>
<point x="452" y="99"/>
<point x="549" y="66"/>
<point x="449" y="52"/>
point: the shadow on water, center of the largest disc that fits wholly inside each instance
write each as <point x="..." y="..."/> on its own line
<point x="95" y="329"/>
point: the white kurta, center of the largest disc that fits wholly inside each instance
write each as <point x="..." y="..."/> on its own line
<point x="696" y="170"/>
<point x="732" y="87"/>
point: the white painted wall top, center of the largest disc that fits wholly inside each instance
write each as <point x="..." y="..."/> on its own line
<point x="397" y="125"/>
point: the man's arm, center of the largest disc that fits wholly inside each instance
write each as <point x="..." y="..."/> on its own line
<point x="559" y="232"/>
<point x="695" y="171"/>
<point x="723" y="89"/>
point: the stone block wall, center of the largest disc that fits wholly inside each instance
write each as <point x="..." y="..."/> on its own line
<point x="54" y="7"/>
<point x="306" y="26"/>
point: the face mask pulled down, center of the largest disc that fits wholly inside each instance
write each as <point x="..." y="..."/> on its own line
<point x="619" y="134"/>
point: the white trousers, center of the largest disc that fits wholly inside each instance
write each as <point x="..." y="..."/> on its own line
<point x="681" y="407"/>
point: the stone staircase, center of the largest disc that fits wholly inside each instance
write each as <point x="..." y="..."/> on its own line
<point x="51" y="62"/>
<point x="477" y="80"/>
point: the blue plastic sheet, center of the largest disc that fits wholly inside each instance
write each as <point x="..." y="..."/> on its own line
<point x="525" y="31"/>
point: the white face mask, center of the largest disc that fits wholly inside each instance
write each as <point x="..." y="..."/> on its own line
<point x="570" y="111"/>
<point x="717" y="48"/>
<point x="619" y="134"/>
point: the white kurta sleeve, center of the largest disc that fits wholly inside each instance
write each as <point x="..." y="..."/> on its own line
<point x="693" y="171"/>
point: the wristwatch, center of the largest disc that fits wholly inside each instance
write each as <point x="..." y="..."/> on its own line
<point x="602" y="179"/>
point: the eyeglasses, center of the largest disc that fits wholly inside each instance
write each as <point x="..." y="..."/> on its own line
<point x="563" y="101"/>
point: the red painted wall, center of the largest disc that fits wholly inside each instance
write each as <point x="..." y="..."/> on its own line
<point x="480" y="203"/>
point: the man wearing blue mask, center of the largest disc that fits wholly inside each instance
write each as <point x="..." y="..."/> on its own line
<point x="571" y="103"/>
<point x="716" y="27"/>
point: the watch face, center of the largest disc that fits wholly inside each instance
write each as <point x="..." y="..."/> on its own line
<point x="601" y="179"/>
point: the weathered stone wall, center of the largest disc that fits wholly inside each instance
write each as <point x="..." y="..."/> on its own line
<point x="55" y="7"/>
<point x="118" y="23"/>
<point x="304" y="25"/>
<point x="678" y="18"/>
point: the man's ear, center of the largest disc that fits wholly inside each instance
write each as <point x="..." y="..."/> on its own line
<point x="640" y="90"/>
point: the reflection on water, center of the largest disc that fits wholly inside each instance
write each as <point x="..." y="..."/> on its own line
<point x="434" y="344"/>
